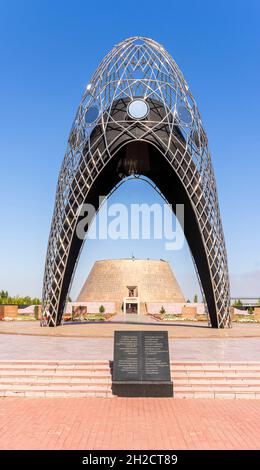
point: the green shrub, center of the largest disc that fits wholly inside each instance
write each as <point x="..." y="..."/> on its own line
<point x="95" y="317"/>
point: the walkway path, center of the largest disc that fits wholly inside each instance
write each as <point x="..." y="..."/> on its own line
<point x="16" y="347"/>
<point x="106" y="330"/>
<point x="134" y="319"/>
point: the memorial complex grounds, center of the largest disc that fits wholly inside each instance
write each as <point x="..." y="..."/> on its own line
<point x="129" y="299"/>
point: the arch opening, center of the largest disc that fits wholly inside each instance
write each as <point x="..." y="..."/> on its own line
<point x="143" y="158"/>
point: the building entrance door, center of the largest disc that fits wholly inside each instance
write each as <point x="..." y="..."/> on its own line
<point x="131" y="305"/>
<point x="131" y="308"/>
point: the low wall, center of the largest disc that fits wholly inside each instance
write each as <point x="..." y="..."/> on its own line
<point x="91" y="307"/>
<point x="8" y="311"/>
<point x="175" y="308"/>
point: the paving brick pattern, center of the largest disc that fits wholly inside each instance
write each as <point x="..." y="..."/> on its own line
<point x="129" y="423"/>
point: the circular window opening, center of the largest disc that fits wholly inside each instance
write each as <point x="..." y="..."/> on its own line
<point x="91" y="114"/>
<point x="138" y="109"/>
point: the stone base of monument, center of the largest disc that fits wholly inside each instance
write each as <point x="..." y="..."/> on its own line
<point x="142" y="389"/>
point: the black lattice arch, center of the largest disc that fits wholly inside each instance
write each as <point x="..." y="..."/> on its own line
<point x="138" y="116"/>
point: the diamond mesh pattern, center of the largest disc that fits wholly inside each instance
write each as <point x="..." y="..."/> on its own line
<point x="137" y="67"/>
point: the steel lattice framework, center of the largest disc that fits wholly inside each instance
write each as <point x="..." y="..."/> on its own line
<point x="103" y="131"/>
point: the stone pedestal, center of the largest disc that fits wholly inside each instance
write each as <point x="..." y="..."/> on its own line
<point x="201" y="317"/>
<point x="189" y="312"/>
<point x="37" y="312"/>
<point x="232" y="313"/>
<point x="8" y="311"/>
<point x="257" y="313"/>
<point x="142" y="389"/>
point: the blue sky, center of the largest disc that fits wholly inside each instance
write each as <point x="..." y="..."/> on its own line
<point x="48" y="52"/>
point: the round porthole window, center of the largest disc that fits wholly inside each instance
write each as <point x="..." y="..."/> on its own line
<point x="91" y="114"/>
<point x="138" y="109"/>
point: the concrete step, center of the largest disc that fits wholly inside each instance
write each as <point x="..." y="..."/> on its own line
<point x="217" y="383"/>
<point x="50" y="386"/>
<point x="10" y="378"/>
<point x="93" y="378"/>
<point x="222" y="373"/>
<point x="218" y="394"/>
<point x="53" y="380"/>
<point x="86" y="365"/>
<point x="220" y="366"/>
<point x="55" y="394"/>
<point x="53" y="362"/>
<point x="52" y="367"/>
<point x="47" y="373"/>
<point x="104" y="367"/>
<point x="206" y="386"/>
<point x="214" y="375"/>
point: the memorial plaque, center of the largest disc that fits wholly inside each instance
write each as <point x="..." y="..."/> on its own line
<point x="155" y="353"/>
<point x="127" y="358"/>
<point x="141" y="364"/>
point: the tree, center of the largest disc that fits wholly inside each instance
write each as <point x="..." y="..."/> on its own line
<point x="17" y="300"/>
<point x="195" y="299"/>
<point x="162" y="311"/>
<point x="3" y="294"/>
<point x="101" y="309"/>
<point x="237" y="303"/>
<point x="72" y="313"/>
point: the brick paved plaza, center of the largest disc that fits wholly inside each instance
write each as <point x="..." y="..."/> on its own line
<point x="129" y="423"/>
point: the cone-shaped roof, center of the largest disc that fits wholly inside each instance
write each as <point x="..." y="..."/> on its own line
<point x="110" y="280"/>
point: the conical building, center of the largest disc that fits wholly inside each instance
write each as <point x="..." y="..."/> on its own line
<point x="131" y="284"/>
